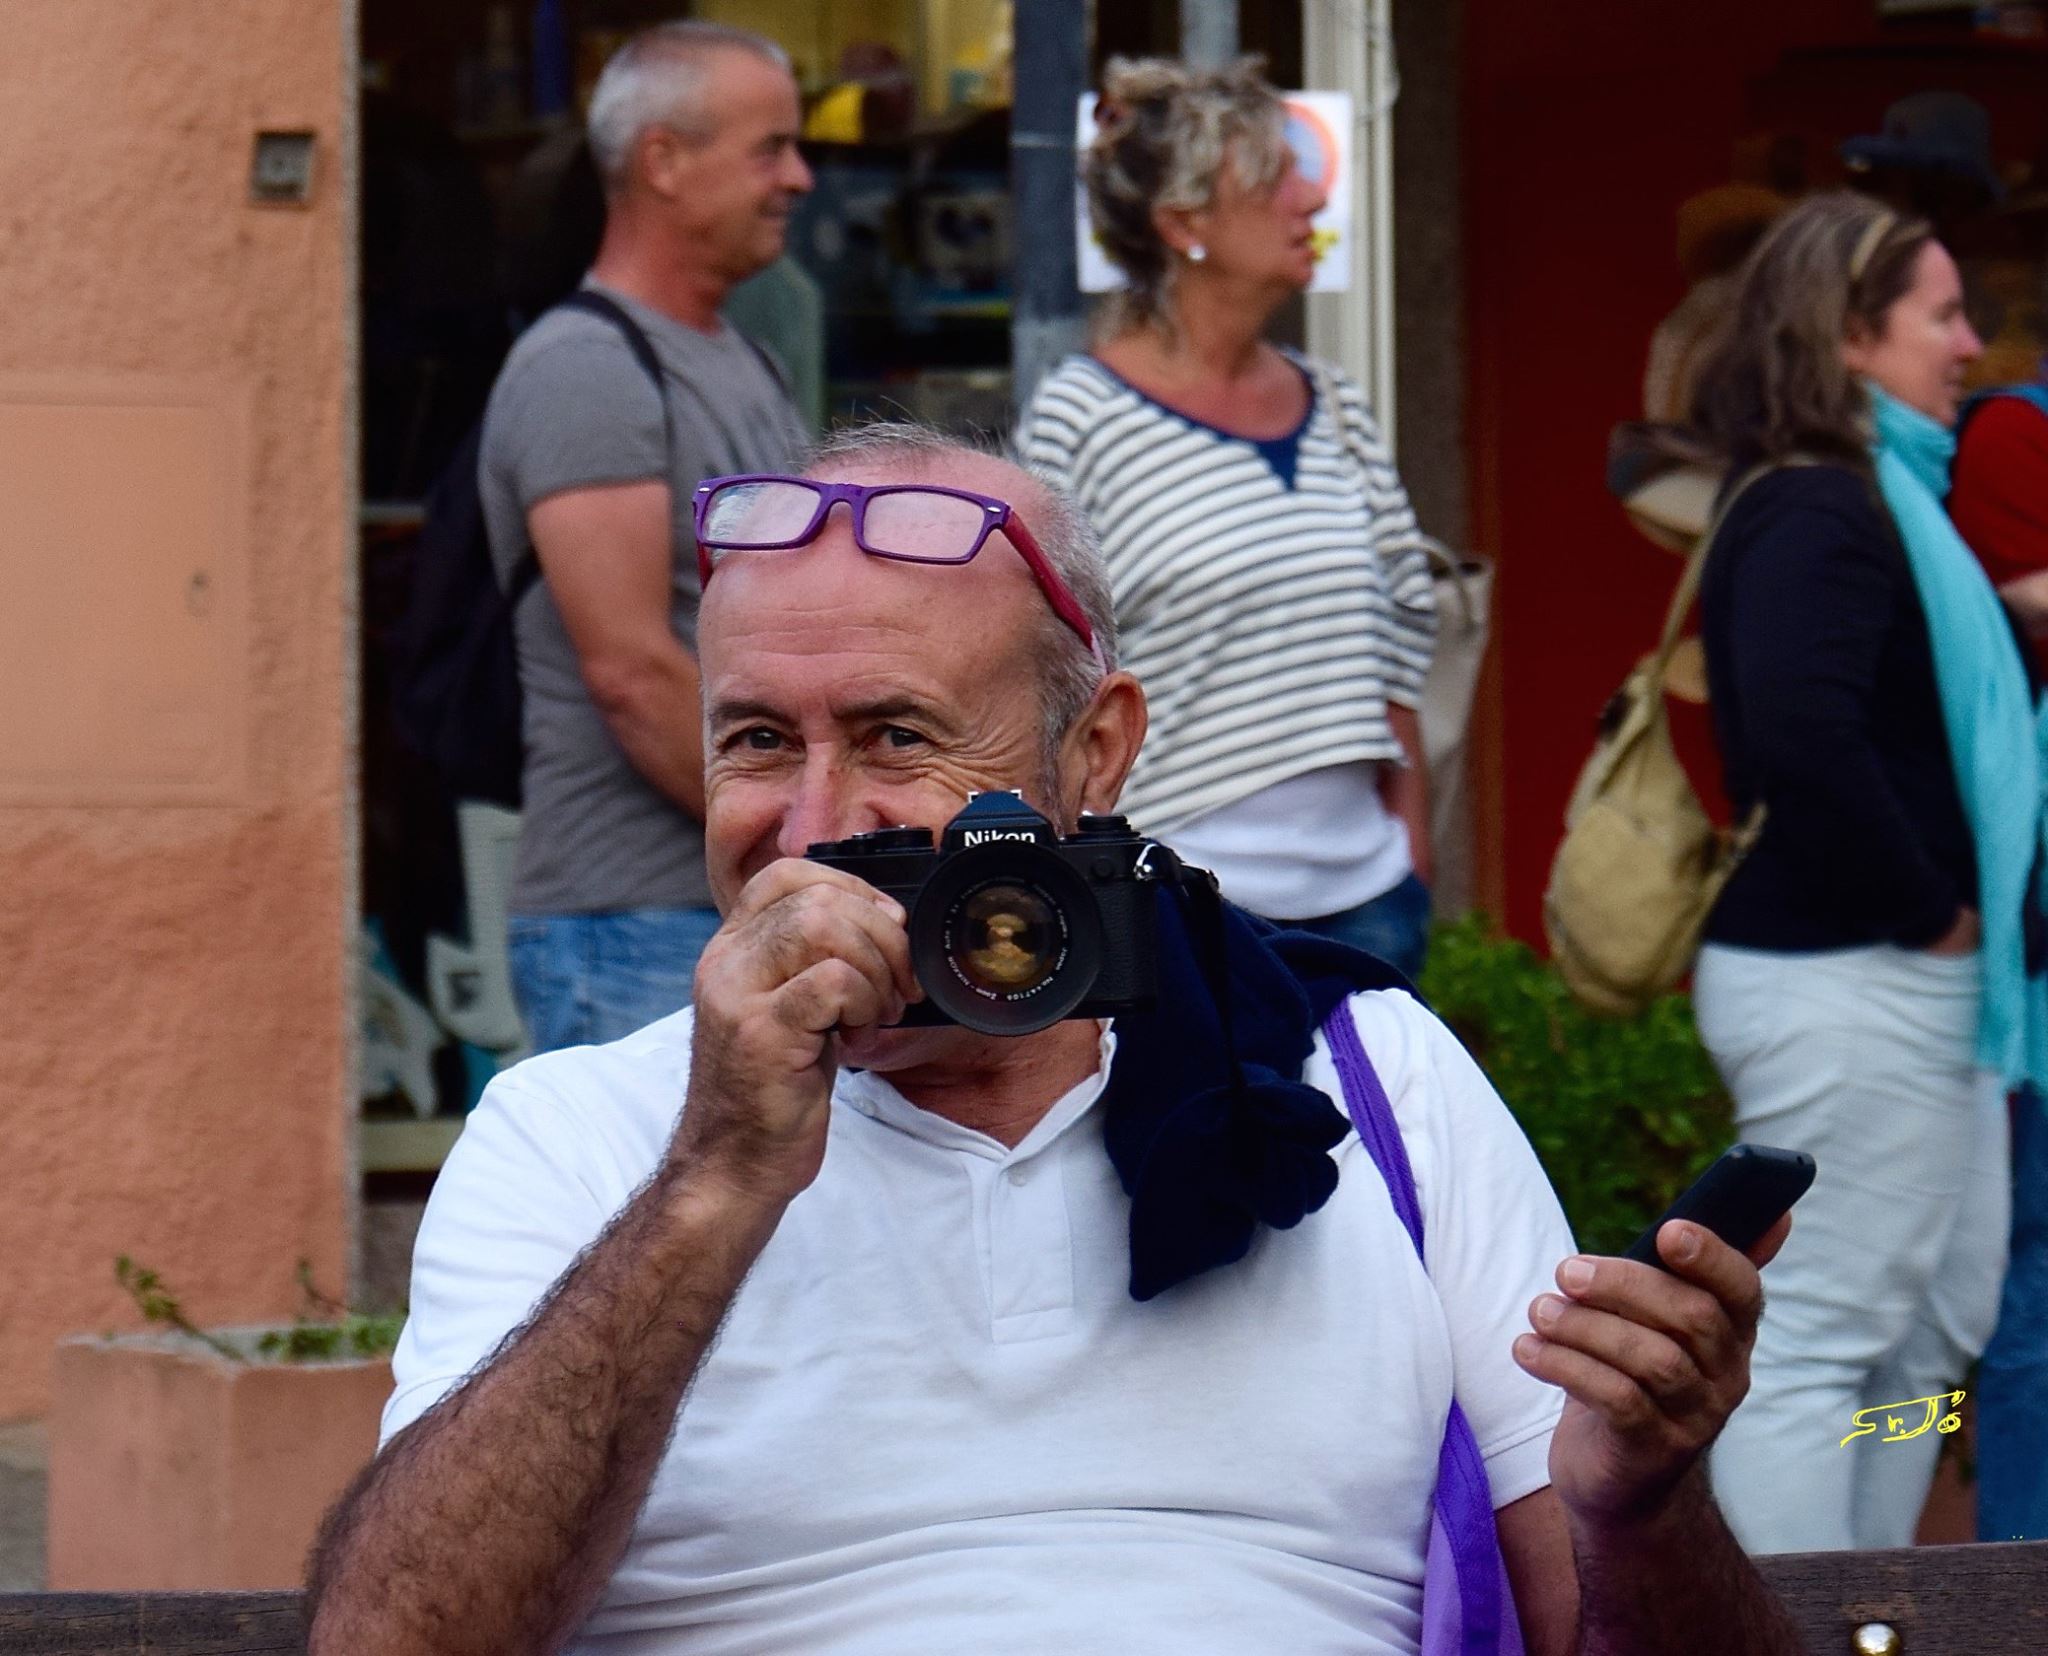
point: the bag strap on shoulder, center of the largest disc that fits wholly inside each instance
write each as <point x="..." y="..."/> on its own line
<point x="1331" y="396"/>
<point x="602" y="304"/>
<point x="1696" y="561"/>
<point x="593" y="303"/>
<point x="1688" y="587"/>
<point x="1465" y="1558"/>
<point x="605" y="306"/>
<point x="1745" y="833"/>
<point x="608" y="309"/>
<point x="766" y="358"/>
<point x="1444" y="564"/>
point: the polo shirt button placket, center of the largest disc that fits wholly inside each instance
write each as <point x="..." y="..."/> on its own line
<point x="1031" y="1254"/>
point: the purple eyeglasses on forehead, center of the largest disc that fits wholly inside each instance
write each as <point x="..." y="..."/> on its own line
<point x="907" y="522"/>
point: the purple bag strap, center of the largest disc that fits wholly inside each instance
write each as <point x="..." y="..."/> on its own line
<point x="1464" y="1544"/>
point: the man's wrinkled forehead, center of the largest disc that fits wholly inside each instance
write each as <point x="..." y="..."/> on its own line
<point x="948" y="626"/>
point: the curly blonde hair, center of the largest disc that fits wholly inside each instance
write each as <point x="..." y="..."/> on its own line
<point x="1164" y="134"/>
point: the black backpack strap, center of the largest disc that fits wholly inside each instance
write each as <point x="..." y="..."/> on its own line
<point x="604" y="306"/>
<point x="767" y="361"/>
<point x="520" y="582"/>
<point x="594" y="303"/>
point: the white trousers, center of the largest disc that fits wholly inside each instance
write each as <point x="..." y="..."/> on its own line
<point x="1888" y="1287"/>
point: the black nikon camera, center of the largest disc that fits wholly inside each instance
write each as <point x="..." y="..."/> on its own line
<point x="1012" y="927"/>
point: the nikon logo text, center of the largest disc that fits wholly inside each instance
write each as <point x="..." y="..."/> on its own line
<point x="981" y="836"/>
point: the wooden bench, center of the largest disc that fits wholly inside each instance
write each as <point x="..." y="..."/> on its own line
<point x="1985" y="1600"/>
<point x="161" y="1624"/>
<point x="1941" y="1601"/>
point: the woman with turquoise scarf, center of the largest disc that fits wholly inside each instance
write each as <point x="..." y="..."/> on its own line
<point x="1864" y="985"/>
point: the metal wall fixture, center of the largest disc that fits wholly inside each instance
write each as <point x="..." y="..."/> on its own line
<point x="281" y="169"/>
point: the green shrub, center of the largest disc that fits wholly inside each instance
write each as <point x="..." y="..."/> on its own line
<point x="1623" y="1112"/>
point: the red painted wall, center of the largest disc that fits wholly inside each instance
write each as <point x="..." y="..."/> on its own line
<point x="1586" y="126"/>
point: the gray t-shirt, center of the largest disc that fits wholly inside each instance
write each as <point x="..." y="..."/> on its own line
<point x="573" y="408"/>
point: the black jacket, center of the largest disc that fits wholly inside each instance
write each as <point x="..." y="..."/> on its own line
<point x="1824" y="705"/>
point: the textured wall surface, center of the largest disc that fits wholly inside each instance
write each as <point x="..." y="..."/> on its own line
<point x="174" y="985"/>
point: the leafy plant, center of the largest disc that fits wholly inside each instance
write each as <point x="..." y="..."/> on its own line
<point x="1623" y="1112"/>
<point x="327" y="1329"/>
<point x="158" y="1305"/>
<point x="324" y="1331"/>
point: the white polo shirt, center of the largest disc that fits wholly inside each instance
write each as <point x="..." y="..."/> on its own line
<point x="936" y="1421"/>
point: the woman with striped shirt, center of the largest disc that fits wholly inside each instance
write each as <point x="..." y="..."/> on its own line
<point x="1272" y="590"/>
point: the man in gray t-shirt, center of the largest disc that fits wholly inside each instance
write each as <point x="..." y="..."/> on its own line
<point x="694" y="129"/>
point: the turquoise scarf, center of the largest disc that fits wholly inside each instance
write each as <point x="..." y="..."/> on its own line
<point x="1998" y="740"/>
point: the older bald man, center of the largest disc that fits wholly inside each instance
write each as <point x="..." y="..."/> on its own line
<point x="776" y="1328"/>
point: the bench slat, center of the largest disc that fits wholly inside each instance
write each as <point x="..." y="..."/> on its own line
<point x="151" y="1624"/>
<point x="1979" y="1600"/>
<point x="1945" y="1601"/>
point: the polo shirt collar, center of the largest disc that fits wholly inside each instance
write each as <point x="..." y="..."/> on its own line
<point x="873" y="1096"/>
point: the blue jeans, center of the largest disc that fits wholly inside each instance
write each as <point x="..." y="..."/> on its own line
<point x="1394" y="925"/>
<point x="584" y="979"/>
<point x="2012" y="1381"/>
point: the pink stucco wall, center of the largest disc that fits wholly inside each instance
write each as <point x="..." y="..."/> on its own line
<point x="174" y="983"/>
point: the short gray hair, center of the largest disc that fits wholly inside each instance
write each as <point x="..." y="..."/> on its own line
<point x="659" y="78"/>
<point x="1069" y="672"/>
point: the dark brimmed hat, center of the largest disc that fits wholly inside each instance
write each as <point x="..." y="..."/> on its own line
<point x="1937" y="132"/>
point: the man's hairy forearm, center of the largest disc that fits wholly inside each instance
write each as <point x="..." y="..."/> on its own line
<point x="1675" y="1581"/>
<point x="493" y="1523"/>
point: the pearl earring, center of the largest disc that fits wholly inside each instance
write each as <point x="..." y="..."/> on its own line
<point x="1197" y="253"/>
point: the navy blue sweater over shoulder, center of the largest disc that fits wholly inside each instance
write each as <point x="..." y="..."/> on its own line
<point x="1824" y="707"/>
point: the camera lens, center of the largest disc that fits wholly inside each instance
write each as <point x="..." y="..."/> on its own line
<point x="1006" y="938"/>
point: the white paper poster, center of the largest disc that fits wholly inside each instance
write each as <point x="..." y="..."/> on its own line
<point x="1319" y="129"/>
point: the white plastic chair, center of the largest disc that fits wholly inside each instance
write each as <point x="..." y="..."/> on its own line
<point x="469" y="985"/>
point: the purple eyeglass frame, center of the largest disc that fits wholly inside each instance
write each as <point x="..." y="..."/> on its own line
<point x="996" y="514"/>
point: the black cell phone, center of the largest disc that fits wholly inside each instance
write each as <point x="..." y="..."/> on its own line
<point x="1739" y="1198"/>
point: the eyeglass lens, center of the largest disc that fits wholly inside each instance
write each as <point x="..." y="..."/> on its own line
<point x="752" y="515"/>
<point x="916" y="523"/>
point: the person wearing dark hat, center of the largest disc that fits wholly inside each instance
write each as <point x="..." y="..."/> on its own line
<point x="1932" y="157"/>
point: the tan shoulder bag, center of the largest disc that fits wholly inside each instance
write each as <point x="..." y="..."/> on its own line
<point x="1641" y="863"/>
